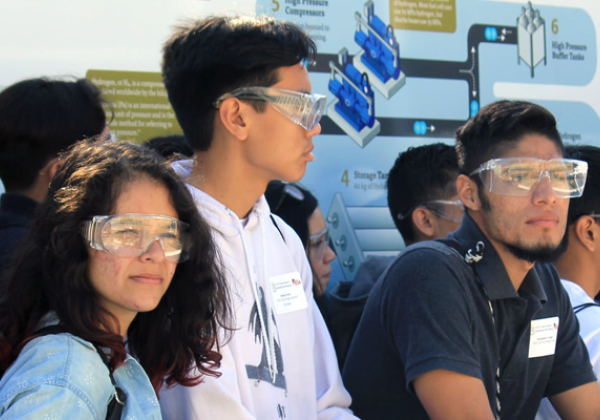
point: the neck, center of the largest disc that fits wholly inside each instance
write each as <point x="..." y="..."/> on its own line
<point x="579" y="266"/>
<point x="516" y="268"/>
<point x="225" y="174"/>
<point x="125" y="320"/>
<point x="37" y="192"/>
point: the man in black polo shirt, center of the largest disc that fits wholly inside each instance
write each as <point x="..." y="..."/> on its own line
<point x="477" y="325"/>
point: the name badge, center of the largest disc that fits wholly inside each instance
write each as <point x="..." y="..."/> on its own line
<point x="542" y="341"/>
<point x="288" y="293"/>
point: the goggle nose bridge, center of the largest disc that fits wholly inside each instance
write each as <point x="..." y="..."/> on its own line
<point x="545" y="173"/>
<point x="151" y="242"/>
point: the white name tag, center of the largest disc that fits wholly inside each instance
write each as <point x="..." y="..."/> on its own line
<point x="542" y="341"/>
<point x="288" y="293"/>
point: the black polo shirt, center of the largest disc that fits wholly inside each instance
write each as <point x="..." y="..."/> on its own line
<point x="431" y="310"/>
<point x="16" y="214"/>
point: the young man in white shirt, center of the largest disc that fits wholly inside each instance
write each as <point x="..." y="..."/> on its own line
<point x="241" y="92"/>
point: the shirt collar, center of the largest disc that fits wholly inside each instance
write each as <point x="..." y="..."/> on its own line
<point x="17" y="203"/>
<point x="490" y="269"/>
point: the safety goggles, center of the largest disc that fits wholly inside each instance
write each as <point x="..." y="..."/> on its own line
<point x="518" y="176"/>
<point x="452" y="210"/>
<point x="305" y="109"/>
<point x="317" y="244"/>
<point x="131" y="235"/>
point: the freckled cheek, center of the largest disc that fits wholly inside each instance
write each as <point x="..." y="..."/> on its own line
<point x="106" y="266"/>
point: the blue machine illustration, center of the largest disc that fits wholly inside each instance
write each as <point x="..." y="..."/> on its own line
<point x="353" y="110"/>
<point x="380" y="54"/>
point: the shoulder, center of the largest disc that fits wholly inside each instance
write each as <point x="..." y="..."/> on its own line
<point x="58" y="362"/>
<point x="12" y="233"/>
<point x="425" y="276"/>
<point x="431" y="262"/>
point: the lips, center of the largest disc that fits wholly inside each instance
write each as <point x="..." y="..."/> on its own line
<point x="545" y="220"/>
<point x="147" y="278"/>
<point x="309" y="155"/>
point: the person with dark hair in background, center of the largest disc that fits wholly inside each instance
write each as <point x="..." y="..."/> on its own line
<point x="579" y="266"/>
<point x="424" y="205"/>
<point x="170" y="147"/>
<point x="422" y="193"/>
<point x="115" y="292"/>
<point x="300" y="210"/>
<point x="241" y="92"/>
<point x="477" y="325"/>
<point x="38" y="119"/>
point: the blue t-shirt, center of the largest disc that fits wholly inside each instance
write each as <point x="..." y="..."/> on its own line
<point x="63" y="377"/>
<point x="431" y="310"/>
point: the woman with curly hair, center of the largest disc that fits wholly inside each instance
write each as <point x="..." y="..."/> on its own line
<point x="116" y="291"/>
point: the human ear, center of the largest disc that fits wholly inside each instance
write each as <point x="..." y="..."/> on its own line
<point x="50" y="169"/>
<point x="586" y="232"/>
<point x="232" y="115"/>
<point x="55" y="166"/>
<point x="422" y="220"/>
<point x="468" y="192"/>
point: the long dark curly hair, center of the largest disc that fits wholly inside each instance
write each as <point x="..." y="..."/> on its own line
<point x="49" y="273"/>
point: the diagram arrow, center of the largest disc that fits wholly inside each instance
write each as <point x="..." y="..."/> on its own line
<point x="431" y="128"/>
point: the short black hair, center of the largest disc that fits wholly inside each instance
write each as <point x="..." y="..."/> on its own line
<point x="170" y="147"/>
<point x="499" y="125"/>
<point x="293" y="211"/>
<point x="589" y="202"/>
<point x="38" y="119"/>
<point x="207" y="58"/>
<point x="420" y="174"/>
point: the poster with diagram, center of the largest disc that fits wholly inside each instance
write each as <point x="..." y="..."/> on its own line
<point x="402" y="73"/>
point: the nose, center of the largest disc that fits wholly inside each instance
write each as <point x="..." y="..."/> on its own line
<point x="328" y="255"/>
<point x="315" y="131"/>
<point x="154" y="252"/>
<point x="543" y="192"/>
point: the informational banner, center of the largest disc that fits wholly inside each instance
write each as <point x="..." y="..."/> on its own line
<point x="397" y="73"/>
<point x="139" y="108"/>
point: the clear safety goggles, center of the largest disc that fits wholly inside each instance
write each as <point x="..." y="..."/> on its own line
<point x="318" y="243"/>
<point x="305" y="109"/>
<point x="131" y="235"/>
<point x="452" y="210"/>
<point x="518" y="176"/>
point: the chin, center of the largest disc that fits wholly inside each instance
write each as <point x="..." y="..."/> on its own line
<point x="543" y="253"/>
<point x="291" y="178"/>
